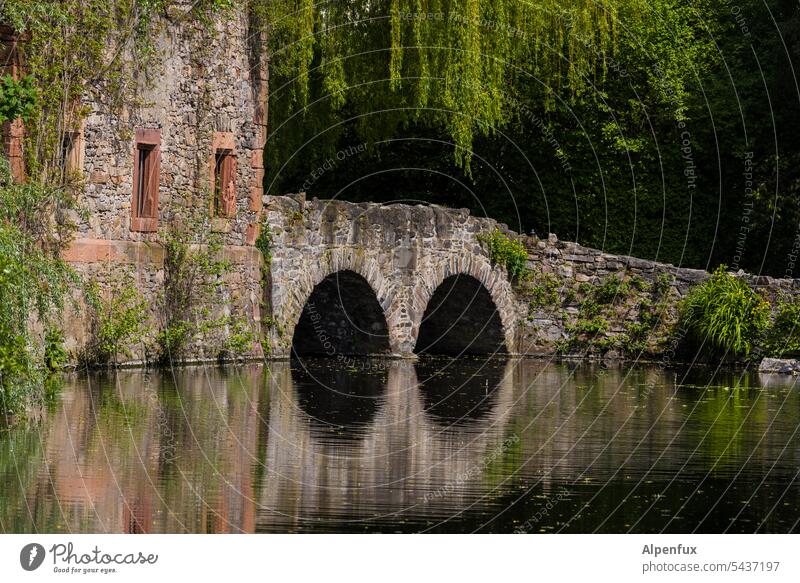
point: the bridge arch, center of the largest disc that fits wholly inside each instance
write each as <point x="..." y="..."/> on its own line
<point x="339" y="306"/>
<point x="342" y="316"/>
<point x="464" y="306"/>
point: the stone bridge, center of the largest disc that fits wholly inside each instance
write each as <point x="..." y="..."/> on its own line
<point x="367" y="278"/>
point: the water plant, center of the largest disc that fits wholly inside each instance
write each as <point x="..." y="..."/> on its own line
<point x="723" y="315"/>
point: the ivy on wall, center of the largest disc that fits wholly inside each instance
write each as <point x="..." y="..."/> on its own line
<point x="17" y="98"/>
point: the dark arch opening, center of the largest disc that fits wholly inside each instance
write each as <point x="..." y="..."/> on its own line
<point x="461" y="318"/>
<point x="341" y="317"/>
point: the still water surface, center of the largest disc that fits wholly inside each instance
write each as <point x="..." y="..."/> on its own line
<point x="489" y="445"/>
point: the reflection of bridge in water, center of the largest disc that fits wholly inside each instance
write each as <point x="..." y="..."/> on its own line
<point x="410" y="452"/>
<point x="398" y="446"/>
<point x="260" y="448"/>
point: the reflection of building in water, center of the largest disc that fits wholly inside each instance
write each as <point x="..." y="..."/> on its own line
<point x="137" y="455"/>
<point x="89" y="475"/>
<point x="404" y="458"/>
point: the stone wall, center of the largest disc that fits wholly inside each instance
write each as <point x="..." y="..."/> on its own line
<point x="114" y="264"/>
<point x="200" y="82"/>
<point x="641" y="317"/>
<point x="205" y="85"/>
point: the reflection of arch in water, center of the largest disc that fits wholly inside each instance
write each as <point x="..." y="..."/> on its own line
<point x="340" y="402"/>
<point x="342" y="316"/>
<point x="401" y="457"/>
<point x="460" y="392"/>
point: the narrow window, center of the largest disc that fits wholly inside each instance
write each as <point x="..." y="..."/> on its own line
<point x="222" y="167"/>
<point x="224" y="184"/>
<point x="143" y="194"/>
<point x="67" y="146"/>
<point x="72" y="152"/>
<point x="146" y="170"/>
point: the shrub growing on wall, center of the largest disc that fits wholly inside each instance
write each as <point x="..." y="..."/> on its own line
<point x="120" y="319"/>
<point x="193" y="284"/>
<point x="508" y="252"/>
<point x="723" y="316"/>
<point x="783" y="336"/>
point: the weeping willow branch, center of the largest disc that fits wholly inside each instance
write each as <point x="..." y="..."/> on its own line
<point x="448" y="62"/>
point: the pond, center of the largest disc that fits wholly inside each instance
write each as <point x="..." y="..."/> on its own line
<point x="438" y="445"/>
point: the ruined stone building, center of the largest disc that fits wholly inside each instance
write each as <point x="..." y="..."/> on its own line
<point x="186" y="152"/>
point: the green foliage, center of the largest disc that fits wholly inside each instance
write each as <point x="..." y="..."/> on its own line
<point x="67" y="50"/>
<point x="15" y="359"/>
<point x="17" y="98"/>
<point x="638" y="284"/>
<point x="240" y="338"/>
<point x="33" y="283"/>
<point x="723" y="315"/>
<point x="192" y="282"/>
<point x="637" y="305"/>
<point x="662" y="285"/>
<point x="173" y="338"/>
<point x="651" y="327"/>
<point x="783" y="336"/>
<point x="587" y="332"/>
<point x="55" y="354"/>
<point x="77" y="47"/>
<point x="634" y="340"/>
<point x="508" y="252"/>
<point x="542" y="289"/>
<point x="596" y="325"/>
<point x="612" y="289"/>
<point x="264" y="243"/>
<point x="589" y="307"/>
<point x="120" y="318"/>
<point x="441" y="64"/>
